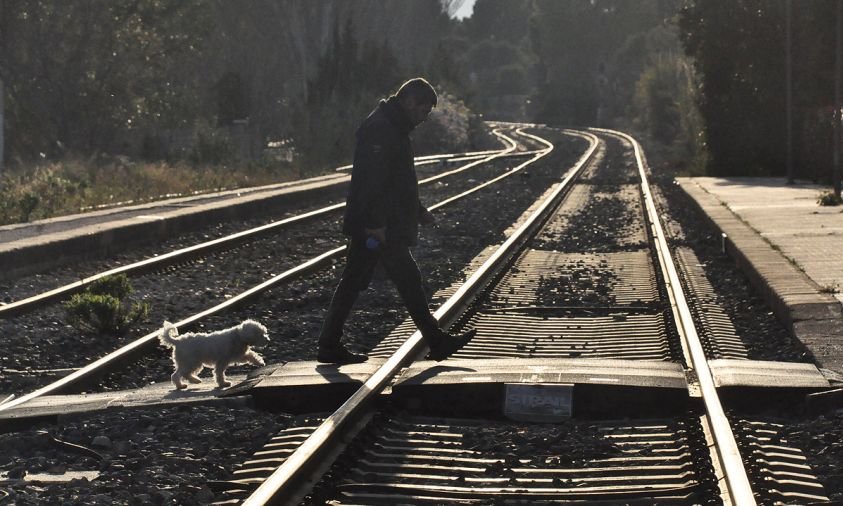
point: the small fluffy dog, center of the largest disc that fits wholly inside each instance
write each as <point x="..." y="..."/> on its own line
<point x="217" y="350"/>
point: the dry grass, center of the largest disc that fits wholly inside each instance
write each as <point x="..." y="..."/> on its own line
<point x="69" y="187"/>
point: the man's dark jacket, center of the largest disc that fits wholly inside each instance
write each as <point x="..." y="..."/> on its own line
<point x="384" y="189"/>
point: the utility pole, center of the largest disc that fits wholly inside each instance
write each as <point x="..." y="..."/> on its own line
<point x="2" y="125"/>
<point x="3" y="31"/>
<point x="789" y="89"/>
<point x="837" y="64"/>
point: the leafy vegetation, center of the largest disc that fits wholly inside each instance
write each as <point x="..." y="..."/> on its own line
<point x="829" y="199"/>
<point x="664" y="110"/>
<point x="739" y="50"/>
<point x="72" y="186"/>
<point x="104" y="307"/>
<point x="188" y="95"/>
<point x="592" y="54"/>
<point x="80" y="75"/>
<point x="129" y="100"/>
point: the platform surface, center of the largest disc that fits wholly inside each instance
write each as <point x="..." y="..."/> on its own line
<point x="790" y="247"/>
<point x="26" y="248"/>
<point x="788" y="217"/>
<point x="52" y="229"/>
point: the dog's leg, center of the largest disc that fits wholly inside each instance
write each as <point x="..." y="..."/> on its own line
<point x="219" y="372"/>
<point x="192" y="377"/>
<point x="176" y="378"/>
<point x="253" y="358"/>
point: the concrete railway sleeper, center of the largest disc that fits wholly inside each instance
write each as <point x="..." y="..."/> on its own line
<point x="592" y="301"/>
<point x="376" y="449"/>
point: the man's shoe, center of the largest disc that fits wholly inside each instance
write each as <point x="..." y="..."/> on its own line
<point x="340" y="356"/>
<point x="444" y="344"/>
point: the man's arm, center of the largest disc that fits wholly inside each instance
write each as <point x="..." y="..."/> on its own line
<point x="374" y="166"/>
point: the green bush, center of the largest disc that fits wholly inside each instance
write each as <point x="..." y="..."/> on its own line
<point x="35" y="193"/>
<point x="446" y="130"/>
<point x="117" y="286"/>
<point x="103" y="308"/>
<point x="829" y="199"/>
<point x="211" y="146"/>
<point x="70" y="186"/>
<point x="27" y="203"/>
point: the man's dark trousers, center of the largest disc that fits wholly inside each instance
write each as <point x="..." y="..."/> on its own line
<point x="360" y="265"/>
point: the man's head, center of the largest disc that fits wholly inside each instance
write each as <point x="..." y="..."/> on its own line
<point x="417" y="97"/>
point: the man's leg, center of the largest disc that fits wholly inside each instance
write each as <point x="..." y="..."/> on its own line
<point x="360" y="264"/>
<point x="404" y="272"/>
<point x="341" y="304"/>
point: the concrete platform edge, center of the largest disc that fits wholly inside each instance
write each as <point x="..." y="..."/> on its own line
<point x="814" y="319"/>
<point x="123" y="234"/>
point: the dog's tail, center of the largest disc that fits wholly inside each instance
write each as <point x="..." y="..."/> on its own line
<point x="167" y="335"/>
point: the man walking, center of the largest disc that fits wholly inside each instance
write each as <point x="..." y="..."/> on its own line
<point x="382" y="216"/>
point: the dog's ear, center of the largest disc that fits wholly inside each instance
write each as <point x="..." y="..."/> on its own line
<point x="253" y="326"/>
<point x="264" y="333"/>
<point x="244" y="331"/>
<point x="252" y="332"/>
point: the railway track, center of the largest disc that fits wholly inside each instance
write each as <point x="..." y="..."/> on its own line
<point x="400" y="455"/>
<point x="573" y="296"/>
<point x="183" y="255"/>
<point x="301" y="263"/>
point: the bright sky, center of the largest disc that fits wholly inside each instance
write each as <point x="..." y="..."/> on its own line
<point x="465" y="10"/>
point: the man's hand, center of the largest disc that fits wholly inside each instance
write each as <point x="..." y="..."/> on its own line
<point x="377" y="233"/>
<point x="426" y="217"/>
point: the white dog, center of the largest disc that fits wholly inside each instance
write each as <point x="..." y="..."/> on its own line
<point x="217" y="350"/>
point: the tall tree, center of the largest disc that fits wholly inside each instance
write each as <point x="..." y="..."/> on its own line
<point x="2" y="124"/>
<point x="575" y="42"/>
<point x="499" y="19"/>
<point x="347" y="85"/>
<point x="79" y="73"/>
<point x="496" y="59"/>
<point x="281" y="51"/>
<point x="742" y="95"/>
<point x="84" y="76"/>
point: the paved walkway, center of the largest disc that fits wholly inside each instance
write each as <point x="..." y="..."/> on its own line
<point x="790" y="247"/>
<point x="790" y="219"/>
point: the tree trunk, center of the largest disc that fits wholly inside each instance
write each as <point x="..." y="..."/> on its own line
<point x="2" y="124"/>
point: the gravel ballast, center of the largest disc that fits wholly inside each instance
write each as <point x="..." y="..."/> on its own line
<point x="293" y="313"/>
<point x="166" y="455"/>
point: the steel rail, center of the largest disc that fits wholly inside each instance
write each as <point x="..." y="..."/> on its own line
<point x="430" y="159"/>
<point x="737" y="482"/>
<point x="419" y="160"/>
<point x="282" y="485"/>
<point x="423" y="160"/>
<point x="454" y="155"/>
<point x="519" y="131"/>
<point x="140" y="345"/>
<point x="21" y="306"/>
